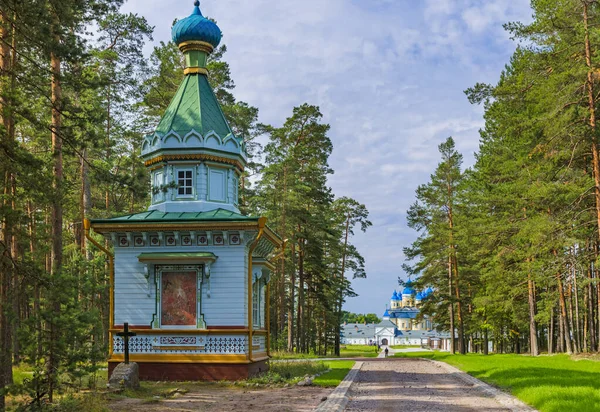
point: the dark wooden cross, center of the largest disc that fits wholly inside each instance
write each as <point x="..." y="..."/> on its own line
<point x="126" y="335"/>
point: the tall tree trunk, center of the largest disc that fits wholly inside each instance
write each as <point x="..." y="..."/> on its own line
<point x="282" y="295"/>
<point x="300" y="315"/>
<point x="551" y="332"/>
<point x="36" y="286"/>
<point x="564" y="317"/>
<point x="572" y="326"/>
<point x="108" y="151"/>
<point x="14" y="245"/>
<point x="533" y="340"/>
<point x="7" y="246"/>
<point x="561" y="331"/>
<point x="454" y="263"/>
<point x="592" y="112"/>
<point x="86" y="199"/>
<point x="597" y="276"/>
<point x="451" y="306"/>
<point x="291" y="303"/>
<point x="589" y="310"/>
<point x="486" y="341"/>
<point x="57" y="210"/>
<point x="459" y="317"/>
<point x="341" y="294"/>
<point x="577" y="318"/>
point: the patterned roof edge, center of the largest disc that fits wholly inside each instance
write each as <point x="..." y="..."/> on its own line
<point x="178" y="256"/>
<point x="157" y="216"/>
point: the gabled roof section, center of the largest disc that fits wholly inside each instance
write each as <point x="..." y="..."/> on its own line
<point x="194" y="107"/>
<point x="157" y="216"/>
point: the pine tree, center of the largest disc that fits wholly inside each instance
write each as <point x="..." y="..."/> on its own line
<point x="433" y="214"/>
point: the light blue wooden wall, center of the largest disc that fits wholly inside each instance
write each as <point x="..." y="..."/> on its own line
<point x="226" y="306"/>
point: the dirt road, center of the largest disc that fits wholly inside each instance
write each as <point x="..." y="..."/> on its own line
<point x="414" y="385"/>
<point x="229" y="399"/>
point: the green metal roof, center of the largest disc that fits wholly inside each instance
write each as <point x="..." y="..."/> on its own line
<point x="156" y="216"/>
<point x="194" y="107"/>
<point x="178" y="256"/>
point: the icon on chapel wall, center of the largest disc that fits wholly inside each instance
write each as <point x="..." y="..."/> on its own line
<point x="178" y="297"/>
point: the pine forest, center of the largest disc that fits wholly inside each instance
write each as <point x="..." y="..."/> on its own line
<point x="511" y="245"/>
<point x="75" y="104"/>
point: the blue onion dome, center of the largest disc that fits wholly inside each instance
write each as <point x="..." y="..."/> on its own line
<point x="408" y="290"/>
<point x="395" y="296"/>
<point x="196" y="27"/>
<point x="429" y="291"/>
<point x="419" y="296"/>
<point x="386" y="314"/>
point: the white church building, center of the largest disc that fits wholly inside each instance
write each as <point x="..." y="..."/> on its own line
<point x="401" y="324"/>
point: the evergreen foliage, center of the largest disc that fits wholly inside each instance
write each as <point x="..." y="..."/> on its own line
<point x="76" y="99"/>
<point x="522" y="254"/>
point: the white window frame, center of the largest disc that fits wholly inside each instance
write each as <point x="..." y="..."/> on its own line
<point x="159" y="181"/>
<point x="257" y="319"/>
<point x="236" y="187"/>
<point x="210" y="185"/>
<point x="185" y="178"/>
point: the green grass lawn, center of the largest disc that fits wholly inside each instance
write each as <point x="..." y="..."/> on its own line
<point x="358" y="351"/>
<point x="278" y="355"/>
<point x="346" y="351"/>
<point x="548" y="383"/>
<point x="339" y="370"/>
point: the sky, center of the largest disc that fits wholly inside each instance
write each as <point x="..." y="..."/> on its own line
<point x="389" y="77"/>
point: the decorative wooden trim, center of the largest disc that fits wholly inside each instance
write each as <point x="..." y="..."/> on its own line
<point x="273" y="238"/>
<point x="161" y="227"/>
<point x="179" y="358"/>
<point x="227" y="327"/>
<point x="178" y="347"/>
<point x="195" y="70"/>
<point x="194" y="156"/>
<point x="148" y="331"/>
<point x="196" y="45"/>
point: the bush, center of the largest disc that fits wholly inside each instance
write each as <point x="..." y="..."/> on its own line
<point x="288" y="372"/>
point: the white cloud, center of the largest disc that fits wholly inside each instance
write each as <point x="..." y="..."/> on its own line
<point x="388" y="76"/>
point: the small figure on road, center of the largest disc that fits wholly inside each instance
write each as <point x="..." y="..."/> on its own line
<point x="386" y="352"/>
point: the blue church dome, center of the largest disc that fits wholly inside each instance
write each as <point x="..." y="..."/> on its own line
<point x="386" y="314"/>
<point x="428" y="292"/>
<point x="395" y="296"/>
<point x="196" y="27"/>
<point x="408" y="290"/>
<point x="419" y="296"/>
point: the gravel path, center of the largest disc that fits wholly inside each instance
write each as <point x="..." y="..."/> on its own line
<point x="414" y="385"/>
